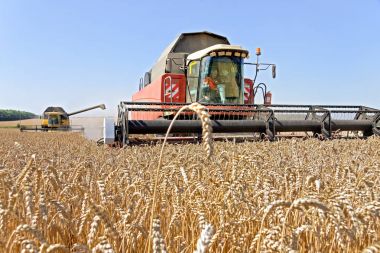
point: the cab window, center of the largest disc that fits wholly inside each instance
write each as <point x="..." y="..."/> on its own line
<point x="221" y="80"/>
<point x="192" y="81"/>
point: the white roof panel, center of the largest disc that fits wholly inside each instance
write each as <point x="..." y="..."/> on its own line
<point x="219" y="47"/>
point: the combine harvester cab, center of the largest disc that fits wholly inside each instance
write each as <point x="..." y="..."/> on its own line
<point x="203" y="67"/>
<point x="55" y="117"/>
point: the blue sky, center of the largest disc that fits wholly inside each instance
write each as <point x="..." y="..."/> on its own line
<point x="80" y="53"/>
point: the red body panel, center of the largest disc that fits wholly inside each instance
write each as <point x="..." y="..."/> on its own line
<point x="248" y="91"/>
<point x="172" y="88"/>
<point x="160" y="91"/>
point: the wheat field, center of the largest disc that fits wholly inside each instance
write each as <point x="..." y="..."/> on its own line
<point x="62" y="193"/>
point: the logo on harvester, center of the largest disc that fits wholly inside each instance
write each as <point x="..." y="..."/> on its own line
<point x="171" y="91"/>
<point x="247" y="90"/>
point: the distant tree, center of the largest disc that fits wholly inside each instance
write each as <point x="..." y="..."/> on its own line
<point x="7" y="115"/>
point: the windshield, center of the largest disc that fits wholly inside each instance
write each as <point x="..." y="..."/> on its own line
<point x="53" y="120"/>
<point x="221" y="80"/>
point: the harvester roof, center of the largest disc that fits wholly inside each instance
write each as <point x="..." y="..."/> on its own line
<point x="54" y="113"/>
<point x="184" y="44"/>
<point x="192" y="42"/>
<point x="219" y="49"/>
<point x="55" y="109"/>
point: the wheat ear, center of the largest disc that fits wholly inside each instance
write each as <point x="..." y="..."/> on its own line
<point x="205" y="239"/>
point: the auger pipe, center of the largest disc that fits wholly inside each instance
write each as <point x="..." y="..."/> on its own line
<point x="101" y="106"/>
<point x="244" y="126"/>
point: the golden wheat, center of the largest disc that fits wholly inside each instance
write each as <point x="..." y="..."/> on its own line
<point x="62" y="193"/>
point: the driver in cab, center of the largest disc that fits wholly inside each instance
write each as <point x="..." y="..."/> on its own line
<point x="213" y="87"/>
<point x="222" y="85"/>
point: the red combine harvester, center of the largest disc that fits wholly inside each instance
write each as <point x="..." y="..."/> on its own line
<point x="203" y="67"/>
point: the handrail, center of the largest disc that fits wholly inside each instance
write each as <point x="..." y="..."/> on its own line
<point x="250" y="105"/>
<point x="171" y="89"/>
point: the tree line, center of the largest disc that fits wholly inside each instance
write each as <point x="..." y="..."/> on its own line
<point x="6" y="115"/>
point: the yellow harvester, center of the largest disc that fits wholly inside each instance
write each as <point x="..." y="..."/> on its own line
<point x="56" y="118"/>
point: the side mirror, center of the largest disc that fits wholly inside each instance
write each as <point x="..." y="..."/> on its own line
<point x="273" y="71"/>
<point x="146" y="80"/>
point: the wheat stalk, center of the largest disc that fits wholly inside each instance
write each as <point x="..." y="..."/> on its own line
<point x="326" y="194"/>
<point x="207" y="137"/>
